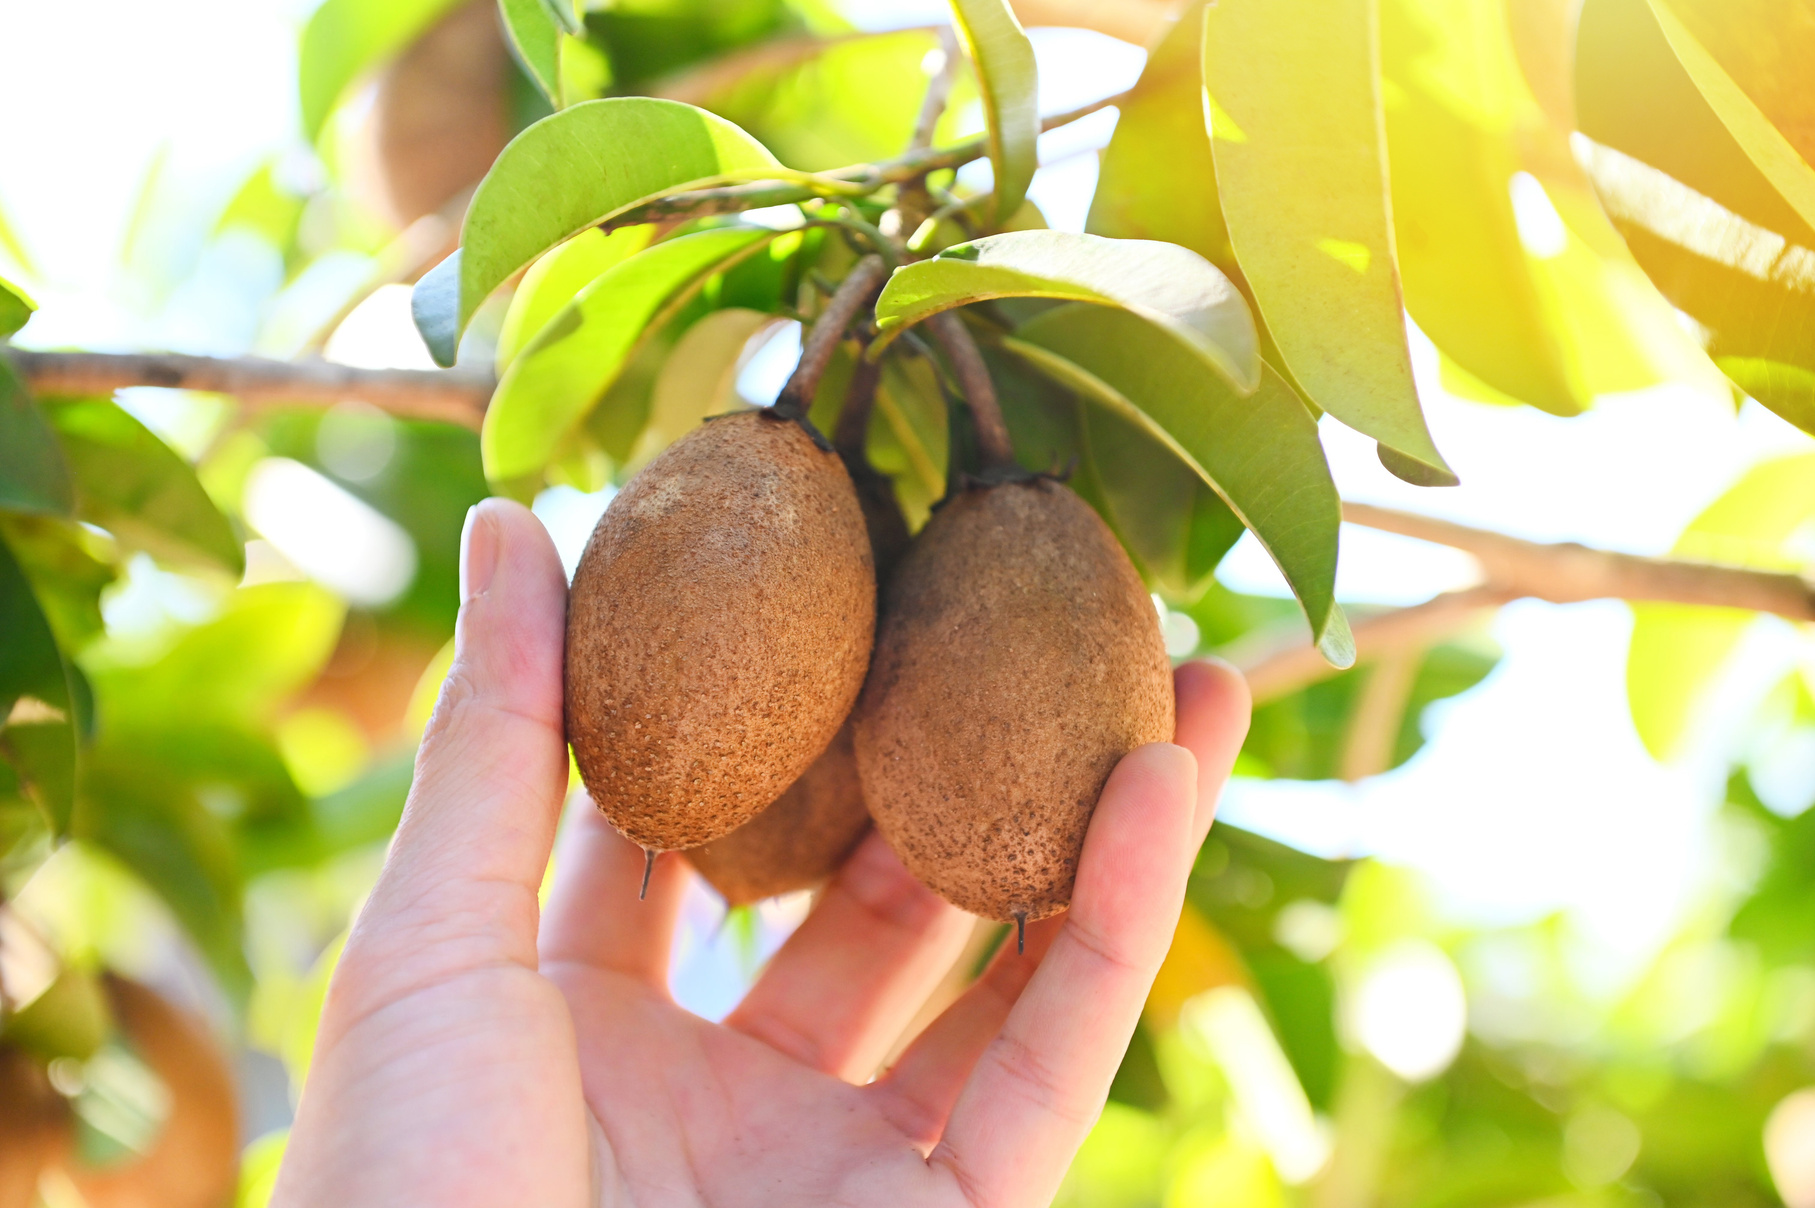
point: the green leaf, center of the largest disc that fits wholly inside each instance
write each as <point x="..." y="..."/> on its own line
<point x="1170" y="287"/>
<point x="699" y="378"/>
<point x="1676" y="649"/>
<point x="16" y="306"/>
<point x="552" y="282"/>
<point x="238" y="669"/>
<point x="345" y="39"/>
<point x="38" y="734"/>
<point x="157" y="825"/>
<point x="68" y="565"/>
<point x="1751" y="288"/>
<point x="1457" y="109"/>
<point x="535" y="35"/>
<point x="1299" y="143"/>
<point x="567" y="172"/>
<point x="33" y="475"/>
<point x="1009" y="80"/>
<point x="130" y="483"/>
<point x="1260" y="453"/>
<point x="1741" y="55"/>
<point x="556" y="380"/>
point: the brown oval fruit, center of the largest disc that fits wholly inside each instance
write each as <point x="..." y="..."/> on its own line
<point x="718" y="630"/>
<point x="440" y="116"/>
<point x="806" y="835"/>
<point x="799" y="841"/>
<point x="1019" y="658"/>
<point x="193" y="1160"/>
<point x="34" y="1126"/>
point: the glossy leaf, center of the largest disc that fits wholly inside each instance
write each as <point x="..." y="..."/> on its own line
<point x="16" y="306"/>
<point x="33" y="474"/>
<point x="38" y="735"/>
<point x="130" y="483"/>
<point x="344" y="39"/>
<point x="1170" y="287"/>
<point x="1676" y="650"/>
<point x="1260" y="453"/>
<point x="552" y="282"/>
<point x="1730" y="56"/>
<point x="567" y="172"/>
<point x="565" y="369"/>
<point x="1750" y="287"/>
<point x="237" y="669"/>
<point x="536" y="37"/>
<point x="699" y="378"/>
<point x="1300" y="155"/>
<point x="1009" y="81"/>
<point x="1458" y="109"/>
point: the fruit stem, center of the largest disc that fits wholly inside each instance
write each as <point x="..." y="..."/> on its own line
<point x="852" y="296"/>
<point x="648" y="867"/>
<point x="993" y="444"/>
<point x="1020" y="933"/>
<point x="859" y="400"/>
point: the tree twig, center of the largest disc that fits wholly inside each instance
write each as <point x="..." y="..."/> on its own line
<point x="852" y="297"/>
<point x="993" y="444"/>
<point x="453" y="396"/>
<point x="859" y="179"/>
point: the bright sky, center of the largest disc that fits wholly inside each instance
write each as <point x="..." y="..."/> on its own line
<point x="1534" y="794"/>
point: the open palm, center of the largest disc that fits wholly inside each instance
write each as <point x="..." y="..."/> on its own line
<point x="476" y="1050"/>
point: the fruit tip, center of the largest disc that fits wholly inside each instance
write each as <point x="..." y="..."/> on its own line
<point x="648" y="867"/>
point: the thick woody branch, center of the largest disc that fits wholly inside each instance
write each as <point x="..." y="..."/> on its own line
<point x="1512" y="569"/>
<point x="1568" y="573"/>
<point x="448" y="395"/>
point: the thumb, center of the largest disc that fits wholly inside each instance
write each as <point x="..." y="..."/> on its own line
<point x="470" y="852"/>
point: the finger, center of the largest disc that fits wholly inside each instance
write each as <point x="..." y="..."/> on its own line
<point x="594" y="917"/>
<point x="919" y="1092"/>
<point x="840" y="990"/>
<point x="459" y="885"/>
<point x="1213" y="713"/>
<point x="1040" y="1084"/>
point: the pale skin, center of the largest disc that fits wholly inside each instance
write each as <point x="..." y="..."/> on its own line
<point x="477" y="1049"/>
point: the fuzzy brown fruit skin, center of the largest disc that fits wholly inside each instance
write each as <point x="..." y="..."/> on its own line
<point x="800" y="840"/>
<point x="814" y="826"/>
<point x="193" y="1160"/>
<point x="718" y="630"/>
<point x="34" y="1126"/>
<point x="1019" y="659"/>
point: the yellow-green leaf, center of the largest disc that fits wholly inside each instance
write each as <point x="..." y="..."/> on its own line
<point x="1299" y="145"/>
<point x="1733" y="52"/>
<point x="555" y="381"/>
<point x="344" y="39"/>
<point x="699" y="378"/>
<point x="1169" y="286"/>
<point x="1260" y="453"/>
<point x="567" y="172"/>
<point x="552" y="282"/>
<point x="1009" y="80"/>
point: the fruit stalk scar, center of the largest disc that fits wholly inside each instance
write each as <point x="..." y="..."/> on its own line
<point x="648" y="868"/>
<point x="853" y="295"/>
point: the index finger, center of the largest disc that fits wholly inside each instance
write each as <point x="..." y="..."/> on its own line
<point x="1038" y="1087"/>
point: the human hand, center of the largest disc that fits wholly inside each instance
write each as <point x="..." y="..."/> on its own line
<point x="474" y="1050"/>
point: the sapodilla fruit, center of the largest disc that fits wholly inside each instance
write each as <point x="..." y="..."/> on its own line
<point x="192" y="1161"/>
<point x="718" y="630"/>
<point x="810" y="830"/>
<point x="34" y="1126"/>
<point x="1019" y="658"/>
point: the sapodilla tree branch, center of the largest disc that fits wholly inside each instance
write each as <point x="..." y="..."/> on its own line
<point x="961" y="350"/>
<point x="853" y="428"/>
<point x="449" y="395"/>
<point x="853" y="296"/>
<point x="1568" y="573"/>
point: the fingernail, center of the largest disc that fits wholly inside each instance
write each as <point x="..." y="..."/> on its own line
<point x="478" y="554"/>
